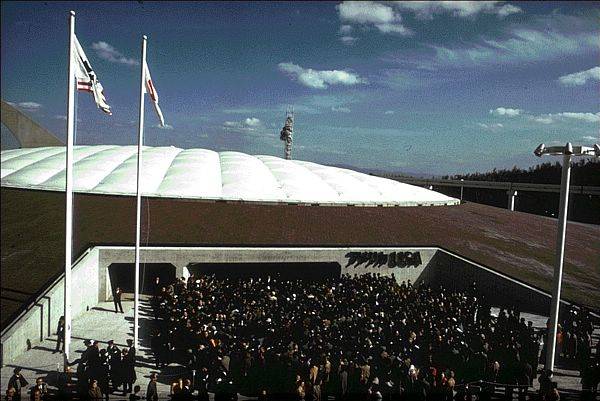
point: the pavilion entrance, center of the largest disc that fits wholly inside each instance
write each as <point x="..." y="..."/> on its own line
<point x="286" y="270"/>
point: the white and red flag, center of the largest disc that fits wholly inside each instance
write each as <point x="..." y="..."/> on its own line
<point x="151" y="90"/>
<point x="86" y="77"/>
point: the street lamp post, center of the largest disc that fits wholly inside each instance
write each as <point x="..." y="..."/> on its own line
<point x="567" y="152"/>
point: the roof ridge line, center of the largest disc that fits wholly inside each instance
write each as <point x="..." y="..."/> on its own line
<point x="113" y="169"/>
<point x="168" y="167"/>
<point x="79" y="161"/>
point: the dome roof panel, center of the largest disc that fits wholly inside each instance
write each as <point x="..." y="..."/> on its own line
<point x="247" y="177"/>
<point x="89" y="171"/>
<point x="193" y="173"/>
<point x="155" y="163"/>
<point x="297" y="182"/>
<point x="47" y="165"/>
<point x="16" y="161"/>
<point x="206" y="174"/>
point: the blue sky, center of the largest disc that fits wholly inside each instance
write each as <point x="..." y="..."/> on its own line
<point x="419" y="87"/>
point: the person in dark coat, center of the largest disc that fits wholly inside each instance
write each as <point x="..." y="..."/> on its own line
<point x="102" y="374"/>
<point x="94" y="392"/>
<point x="343" y="383"/>
<point x="116" y="369"/>
<point x="157" y="343"/>
<point x="60" y="335"/>
<point x="186" y="391"/>
<point x="136" y="394"/>
<point x="124" y="374"/>
<point x="545" y="381"/>
<point x="40" y="388"/>
<point x="117" y="300"/>
<point x="151" y="391"/>
<point x="414" y="388"/>
<point x="17" y="381"/>
<point x="10" y="394"/>
<point x="65" y="384"/>
<point x="113" y="355"/>
<point x="129" y="375"/>
<point x="112" y="350"/>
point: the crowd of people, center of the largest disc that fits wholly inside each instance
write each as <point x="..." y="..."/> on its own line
<point x="104" y="370"/>
<point x="364" y="337"/>
<point x="574" y="347"/>
<point x="99" y="373"/>
<point x="349" y="338"/>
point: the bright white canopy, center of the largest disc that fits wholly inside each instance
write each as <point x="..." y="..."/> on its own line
<point x="204" y="174"/>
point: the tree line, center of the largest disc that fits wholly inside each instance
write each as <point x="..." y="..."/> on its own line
<point x="583" y="172"/>
<point x="582" y="208"/>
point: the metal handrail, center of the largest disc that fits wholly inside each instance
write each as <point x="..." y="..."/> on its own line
<point x="30" y="305"/>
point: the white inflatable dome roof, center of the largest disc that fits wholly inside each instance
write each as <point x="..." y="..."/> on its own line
<point x="205" y="174"/>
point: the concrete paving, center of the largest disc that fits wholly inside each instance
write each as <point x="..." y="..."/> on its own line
<point x="102" y="324"/>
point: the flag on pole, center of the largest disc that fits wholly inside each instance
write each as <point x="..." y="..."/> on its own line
<point x="87" y="79"/>
<point x="151" y="90"/>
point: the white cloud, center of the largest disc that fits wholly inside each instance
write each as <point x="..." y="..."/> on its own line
<point x="549" y="38"/>
<point x="553" y="37"/>
<point x="551" y="118"/>
<point x="369" y="13"/>
<point x="348" y="40"/>
<point x="581" y="77"/>
<point x="524" y="45"/>
<point x="247" y="125"/>
<point x="508" y="9"/>
<point x="107" y="52"/>
<point x="463" y="9"/>
<point x="320" y="79"/>
<point x="547" y="118"/>
<point x="341" y="109"/>
<point x="490" y="127"/>
<point x="31" y="106"/>
<point x="542" y="119"/>
<point x="587" y="117"/>
<point x="504" y="111"/>
<point x="252" y="122"/>
<point x="389" y="112"/>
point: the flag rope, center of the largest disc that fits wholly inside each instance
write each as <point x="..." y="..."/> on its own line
<point x="75" y="113"/>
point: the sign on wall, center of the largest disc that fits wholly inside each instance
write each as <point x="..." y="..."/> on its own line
<point x="380" y="259"/>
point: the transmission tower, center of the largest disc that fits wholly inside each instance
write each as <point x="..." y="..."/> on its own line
<point x="287" y="133"/>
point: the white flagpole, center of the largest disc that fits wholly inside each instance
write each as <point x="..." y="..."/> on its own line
<point x="69" y="189"/>
<point x="136" y="294"/>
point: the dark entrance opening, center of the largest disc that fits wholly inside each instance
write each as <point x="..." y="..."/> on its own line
<point x="291" y="270"/>
<point x="123" y="275"/>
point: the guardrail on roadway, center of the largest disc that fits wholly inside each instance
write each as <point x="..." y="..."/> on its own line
<point x="508" y="186"/>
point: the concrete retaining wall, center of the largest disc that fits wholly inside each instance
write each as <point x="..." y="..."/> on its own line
<point x="182" y="257"/>
<point x="40" y="320"/>
<point x="456" y="273"/>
